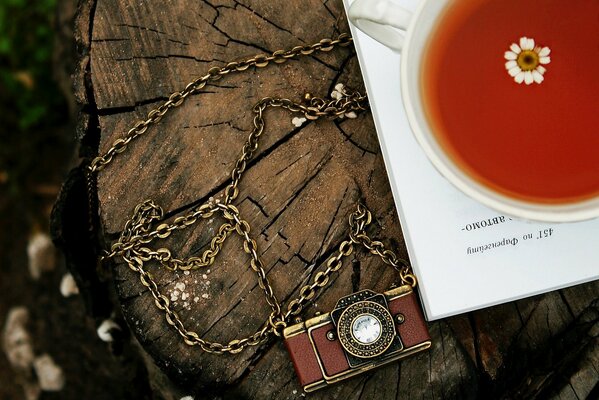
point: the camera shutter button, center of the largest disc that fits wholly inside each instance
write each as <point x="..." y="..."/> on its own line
<point x="400" y="318"/>
<point x="331" y="335"/>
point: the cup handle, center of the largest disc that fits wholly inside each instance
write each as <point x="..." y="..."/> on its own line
<point x="383" y="20"/>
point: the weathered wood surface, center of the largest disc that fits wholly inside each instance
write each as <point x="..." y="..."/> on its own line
<point x="296" y="195"/>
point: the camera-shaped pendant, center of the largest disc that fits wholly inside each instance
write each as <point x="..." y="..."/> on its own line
<point x="365" y="330"/>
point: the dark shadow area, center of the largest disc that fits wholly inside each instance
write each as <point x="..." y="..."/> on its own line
<point x="50" y="345"/>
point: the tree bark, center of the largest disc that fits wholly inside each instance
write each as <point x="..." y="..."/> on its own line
<point x="296" y="194"/>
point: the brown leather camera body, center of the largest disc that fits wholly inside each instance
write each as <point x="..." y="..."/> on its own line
<point x="320" y="354"/>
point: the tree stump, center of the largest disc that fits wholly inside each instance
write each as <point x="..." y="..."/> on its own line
<point x="296" y="194"/>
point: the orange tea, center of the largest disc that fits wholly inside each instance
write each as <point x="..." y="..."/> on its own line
<point x="511" y="91"/>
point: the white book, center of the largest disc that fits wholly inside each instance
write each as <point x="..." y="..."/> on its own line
<point x="466" y="256"/>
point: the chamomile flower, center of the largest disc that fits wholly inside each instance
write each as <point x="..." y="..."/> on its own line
<point x="525" y="61"/>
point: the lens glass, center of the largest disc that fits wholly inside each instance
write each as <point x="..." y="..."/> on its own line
<point x="366" y="328"/>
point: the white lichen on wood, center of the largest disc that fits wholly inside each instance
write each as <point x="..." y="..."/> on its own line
<point x="337" y="94"/>
<point x="49" y="374"/>
<point x="41" y="254"/>
<point x="186" y="291"/>
<point x="17" y="344"/>
<point x="338" y="91"/>
<point x="68" y="287"/>
<point x="106" y="328"/>
<point x="16" y="340"/>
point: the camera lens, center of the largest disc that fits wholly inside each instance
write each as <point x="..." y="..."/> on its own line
<point x="366" y="328"/>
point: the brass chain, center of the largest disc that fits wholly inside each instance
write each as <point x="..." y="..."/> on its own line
<point x="144" y="226"/>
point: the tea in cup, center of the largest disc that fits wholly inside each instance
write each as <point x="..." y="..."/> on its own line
<point x="503" y="97"/>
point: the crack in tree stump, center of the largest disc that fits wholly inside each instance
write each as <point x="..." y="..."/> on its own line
<point x="296" y="195"/>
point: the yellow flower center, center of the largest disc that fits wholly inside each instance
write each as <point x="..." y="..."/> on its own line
<point x="528" y="60"/>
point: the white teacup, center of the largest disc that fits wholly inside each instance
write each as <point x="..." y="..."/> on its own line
<point x="408" y="33"/>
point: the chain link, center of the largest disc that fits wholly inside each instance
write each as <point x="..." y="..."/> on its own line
<point x="214" y="74"/>
<point x="145" y="224"/>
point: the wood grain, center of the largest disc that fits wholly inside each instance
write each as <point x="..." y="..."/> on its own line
<point x="296" y="194"/>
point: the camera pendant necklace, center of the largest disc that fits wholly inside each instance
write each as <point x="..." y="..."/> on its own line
<point x="365" y="329"/>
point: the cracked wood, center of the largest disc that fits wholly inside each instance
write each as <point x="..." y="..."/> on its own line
<point x="296" y="194"/>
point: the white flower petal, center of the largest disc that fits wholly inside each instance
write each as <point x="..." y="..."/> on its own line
<point x="298" y="121"/>
<point x="544" y="52"/>
<point x="541" y="70"/>
<point x="523" y="42"/>
<point x="514" y="71"/>
<point x="510" y="64"/>
<point x="515" y="48"/>
<point x="336" y="95"/>
<point x="545" y="60"/>
<point x="538" y="77"/>
<point x="528" y="79"/>
<point x="509" y="55"/>
<point x="530" y="44"/>
<point x="520" y="77"/>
